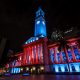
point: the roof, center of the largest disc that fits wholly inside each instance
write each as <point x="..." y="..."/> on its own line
<point x="32" y="39"/>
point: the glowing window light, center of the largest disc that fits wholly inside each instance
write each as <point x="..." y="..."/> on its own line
<point x="62" y="68"/>
<point x="76" y="67"/>
<point x="38" y="22"/>
<point x="36" y="38"/>
<point x="56" y="68"/>
<point x="42" y="68"/>
<point x="12" y="70"/>
<point x="31" y="40"/>
<point x="21" y="69"/>
<point x="34" y="68"/>
<point x="31" y="70"/>
<point x="25" y="42"/>
<point x="16" y="70"/>
<point x="42" y="35"/>
<point x="20" y="57"/>
<point x="27" y="68"/>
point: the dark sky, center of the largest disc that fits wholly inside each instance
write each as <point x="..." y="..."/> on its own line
<point x="17" y="18"/>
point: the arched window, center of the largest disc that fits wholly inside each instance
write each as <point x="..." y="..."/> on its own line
<point x="59" y="69"/>
<point x="73" y="68"/>
<point x="76" y="53"/>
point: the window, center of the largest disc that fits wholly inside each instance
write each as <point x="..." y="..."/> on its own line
<point x="70" y="55"/>
<point x="64" y="57"/>
<point x="58" y="57"/>
<point x="76" y="53"/>
<point x="52" y="55"/>
<point x="73" y="68"/>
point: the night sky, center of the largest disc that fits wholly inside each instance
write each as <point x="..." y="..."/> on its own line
<point x="17" y="18"/>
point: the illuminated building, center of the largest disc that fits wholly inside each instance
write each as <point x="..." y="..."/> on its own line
<point x="40" y="55"/>
<point x="66" y="60"/>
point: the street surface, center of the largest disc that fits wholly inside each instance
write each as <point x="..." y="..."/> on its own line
<point x="41" y="77"/>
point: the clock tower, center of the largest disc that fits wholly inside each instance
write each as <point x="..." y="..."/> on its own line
<point x="40" y="24"/>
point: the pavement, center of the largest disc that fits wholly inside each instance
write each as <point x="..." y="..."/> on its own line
<point x="41" y="77"/>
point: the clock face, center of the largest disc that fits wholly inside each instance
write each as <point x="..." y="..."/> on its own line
<point x="43" y="22"/>
<point x="38" y="22"/>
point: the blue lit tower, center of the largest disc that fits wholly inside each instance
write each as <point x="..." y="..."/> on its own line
<point x="40" y="25"/>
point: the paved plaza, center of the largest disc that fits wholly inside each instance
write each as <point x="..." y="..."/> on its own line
<point x="41" y="77"/>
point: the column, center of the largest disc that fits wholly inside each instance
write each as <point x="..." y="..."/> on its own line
<point x="61" y="58"/>
<point x="41" y="60"/>
<point x="46" y="55"/>
<point x="37" y="54"/>
<point x="55" y="56"/>
<point x="32" y="56"/>
<point x="24" y="57"/>
<point x="65" y="51"/>
<point x="29" y="54"/>
<point x="73" y="54"/>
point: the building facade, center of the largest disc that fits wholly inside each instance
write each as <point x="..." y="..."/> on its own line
<point x="40" y="55"/>
<point x="67" y="59"/>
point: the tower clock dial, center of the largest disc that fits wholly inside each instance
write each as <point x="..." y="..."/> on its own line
<point x="38" y="22"/>
<point x="43" y="23"/>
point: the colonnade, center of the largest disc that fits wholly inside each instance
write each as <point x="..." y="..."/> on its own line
<point x="33" y="54"/>
<point x="54" y="55"/>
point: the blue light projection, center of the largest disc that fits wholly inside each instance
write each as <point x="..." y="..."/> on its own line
<point x="26" y="74"/>
<point x="62" y="68"/>
<point x="74" y="67"/>
<point x="58" y="55"/>
<point x="32" y="39"/>
<point x="40" y="25"/>
<point x="59" y="67"/>
<point x="40" y="12"/>
<point x="52" y="55"/>
<point x="77" y="54"/>
<point x="56" y="68"/>
<point x="70" y="55"/>
<point x="64" y="56"/>
<point x="15" y="70"/>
